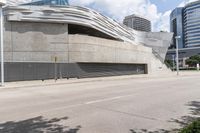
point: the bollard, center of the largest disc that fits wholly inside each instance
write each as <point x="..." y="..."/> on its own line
<point x="197" y="67"/>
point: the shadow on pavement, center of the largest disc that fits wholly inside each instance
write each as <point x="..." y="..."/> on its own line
<point x="37" y="125"/>
<point x="146" y="131"/>
<point x="194" y="108"/>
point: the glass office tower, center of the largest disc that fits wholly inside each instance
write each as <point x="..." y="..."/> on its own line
<point x="185" y="22"/>
<point x="192" y="24"/>
<point x="176" y="26"/>
<point x="48" y="2"/>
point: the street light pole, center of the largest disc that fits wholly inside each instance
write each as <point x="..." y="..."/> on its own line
<point x="177" y="54"/>
<point x="173" y="58"/>
<point x="2" y="3"/>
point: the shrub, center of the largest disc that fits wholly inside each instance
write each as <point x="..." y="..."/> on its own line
<point x="193" y="60"/>
<point x="192" y="128"/>
<point x="169" y="63"/>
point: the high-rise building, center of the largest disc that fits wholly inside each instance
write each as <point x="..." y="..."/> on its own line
<point x="192" y="24"/>
<point x="176" y="26"/>
<point x="185" y="22"/>
<point x="137" y="23"/>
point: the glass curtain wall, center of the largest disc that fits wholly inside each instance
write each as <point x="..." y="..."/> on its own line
<point x="48" y="2"/>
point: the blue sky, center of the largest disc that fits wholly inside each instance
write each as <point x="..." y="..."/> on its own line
<point x="165" y="5"/>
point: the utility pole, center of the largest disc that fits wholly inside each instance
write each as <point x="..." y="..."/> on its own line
<point x="2" y="3"/>
<point x="173" y="59"/>
<point x="177" y="54"/>
<point x="55" y="68"/>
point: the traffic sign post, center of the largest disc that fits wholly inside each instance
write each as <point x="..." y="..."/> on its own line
<point x="177" y="54"/>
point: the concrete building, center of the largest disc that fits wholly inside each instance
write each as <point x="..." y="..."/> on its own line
<point x="45" y="42"/>
<point x="137" y="23"/>
<point x="185" y="22"/>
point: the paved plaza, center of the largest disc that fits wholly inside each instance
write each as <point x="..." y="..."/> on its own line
<point x="124" y="104"/>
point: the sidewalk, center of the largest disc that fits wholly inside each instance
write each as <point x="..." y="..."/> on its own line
<point x="23" y="84"/>
<point x="35" y="83"/>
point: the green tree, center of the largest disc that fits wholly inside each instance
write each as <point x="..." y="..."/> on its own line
<point x="193" y="60"/>
<point x="169" y="63"/>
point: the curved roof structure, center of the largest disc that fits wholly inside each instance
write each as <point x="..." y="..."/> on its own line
<point x="71" y="15"/>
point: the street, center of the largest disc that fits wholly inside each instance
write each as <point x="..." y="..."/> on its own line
<point x="108" y="106"/>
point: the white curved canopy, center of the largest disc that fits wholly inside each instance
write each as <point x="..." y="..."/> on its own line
<point x="72" y="15"/>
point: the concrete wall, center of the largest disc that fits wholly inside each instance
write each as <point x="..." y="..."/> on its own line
<point x="158" y="41"/>
<point x="41" y="42"/>
<point x="31" y="48"/>
<point x="35" y="42"/>
<point x="92" y="49"/>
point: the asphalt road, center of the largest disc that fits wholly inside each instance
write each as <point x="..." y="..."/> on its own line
<point x="109" y="106"/>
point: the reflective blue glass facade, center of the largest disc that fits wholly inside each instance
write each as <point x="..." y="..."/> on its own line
<point x="185" y="22"/>
<point x="48" y="2"/>
<point x="192" y="24"/>
<point x="176" y="26"/>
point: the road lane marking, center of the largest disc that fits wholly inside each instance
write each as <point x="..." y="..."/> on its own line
<point x="107" y="99"/>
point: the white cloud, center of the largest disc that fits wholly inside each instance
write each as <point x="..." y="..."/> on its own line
<point x="183" y="3"/>
<point x="121" y="8"/>
<point x="115" y="8"/>
<point x="164" y="21"/>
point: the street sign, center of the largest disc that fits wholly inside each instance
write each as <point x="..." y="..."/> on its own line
<point x="2" y="2"/>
